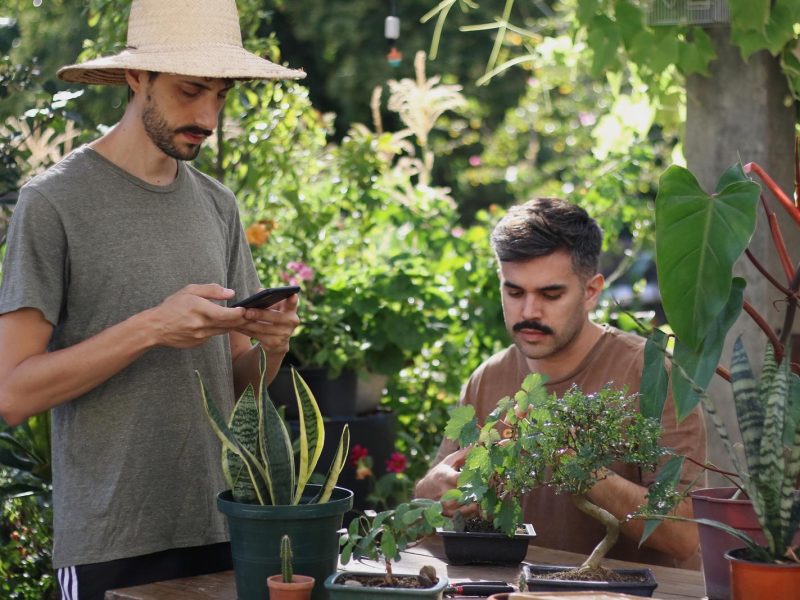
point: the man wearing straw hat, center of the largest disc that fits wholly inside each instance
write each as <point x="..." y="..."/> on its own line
<point x="120" y="261"/>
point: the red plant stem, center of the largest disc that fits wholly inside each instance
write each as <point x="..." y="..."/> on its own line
<point x="791" y="309"/>
<point x="780" y="246"/>
<point x="782" y="288"/>
<point x="724" y="373"/>
<point x="797" y="168"/>
<point x="787" y="203"/>
<point x="776" y="343"/>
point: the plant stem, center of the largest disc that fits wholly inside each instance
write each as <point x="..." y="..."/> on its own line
<point x="790" y="207"/>
<point x="608" y="520"/>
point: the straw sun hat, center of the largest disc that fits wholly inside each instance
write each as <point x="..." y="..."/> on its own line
<point x="200" y="38"/>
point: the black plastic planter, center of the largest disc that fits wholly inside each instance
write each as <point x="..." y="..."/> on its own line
<point x="485" y="548"/>
<point x="634" y="588"/>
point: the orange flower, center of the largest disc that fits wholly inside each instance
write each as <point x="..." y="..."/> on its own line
<point x="363" y="472"/>
<point x="257" y="234"/>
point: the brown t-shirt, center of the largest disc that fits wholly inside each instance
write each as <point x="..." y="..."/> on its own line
<point x="617" y="358"/>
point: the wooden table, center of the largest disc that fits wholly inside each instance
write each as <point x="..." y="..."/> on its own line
<point x="673" y="584"/>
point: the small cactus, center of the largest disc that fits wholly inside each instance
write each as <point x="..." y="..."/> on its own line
<point x="286" y="559"/>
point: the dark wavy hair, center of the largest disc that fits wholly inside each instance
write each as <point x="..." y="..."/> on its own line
<point x="541" y="226"/>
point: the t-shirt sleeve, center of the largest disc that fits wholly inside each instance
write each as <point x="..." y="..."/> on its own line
<point x="36" y="268"/>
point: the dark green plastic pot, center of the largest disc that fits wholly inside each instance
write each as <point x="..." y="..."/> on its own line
<point x="339" y="591"/>
<point x="256" y="532"/>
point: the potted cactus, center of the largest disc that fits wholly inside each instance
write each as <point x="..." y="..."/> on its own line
<point x="286" y="585"/>
<point x="269" y="494"/>
<point x="699" y="237"/>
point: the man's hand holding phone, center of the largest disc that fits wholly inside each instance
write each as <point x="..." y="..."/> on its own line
<point x="272" y="317"/>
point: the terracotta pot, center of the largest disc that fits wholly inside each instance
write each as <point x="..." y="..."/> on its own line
<point x="716" y="504"/>
<point x="756" y="580"/>
<point x="299" y="589"/>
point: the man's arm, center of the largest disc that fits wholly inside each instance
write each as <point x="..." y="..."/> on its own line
<point x="33" y="380"/>
<point x="622" y="497"/>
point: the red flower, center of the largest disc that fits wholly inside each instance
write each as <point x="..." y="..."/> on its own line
<point x="397" y="463"/>
<point x="357" y="452"/>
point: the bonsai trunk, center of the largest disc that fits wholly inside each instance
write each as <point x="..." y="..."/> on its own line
<point x="609" y="521"/>
<point x="389" y="579"/>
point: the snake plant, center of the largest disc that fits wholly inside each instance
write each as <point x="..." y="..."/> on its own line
<point x="257" y="452"/>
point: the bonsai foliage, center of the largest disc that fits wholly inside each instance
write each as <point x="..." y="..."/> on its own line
<point x="287" y="571"/>
<point x="257" y="452"/>
<point x="702" y="300"/>
<point x="567" y="443"/>
<point x="384" y="535"/>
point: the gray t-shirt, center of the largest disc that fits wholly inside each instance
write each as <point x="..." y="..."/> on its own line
<point x="136" y="466"/>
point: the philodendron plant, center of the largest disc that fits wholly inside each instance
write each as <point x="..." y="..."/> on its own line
<point x="567" y="444"/>
<point x="699" y="237"/>
<point x="257" y="453"/>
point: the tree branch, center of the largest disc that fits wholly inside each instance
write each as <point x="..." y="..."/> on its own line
<point x="612" y="530"/>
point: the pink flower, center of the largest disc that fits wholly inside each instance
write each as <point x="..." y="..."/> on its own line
<point x="457" y="232"/>
<point x="304" y="272"/>
<point x="474" y="161"/>
<point x="587" y="119"/>
<point x="357" y="452"/>
<point x="397" y="463"/>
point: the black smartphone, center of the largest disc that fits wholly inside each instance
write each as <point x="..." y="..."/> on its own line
<point x="267" y="297"/>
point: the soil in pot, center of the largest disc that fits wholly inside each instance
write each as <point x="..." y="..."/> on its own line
<point x="373" y="586"/>
<point x="559" y="578"/>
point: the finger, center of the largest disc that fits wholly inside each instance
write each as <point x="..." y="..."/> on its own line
<point x="457" y="458"/>
<point x="209" y="291"/>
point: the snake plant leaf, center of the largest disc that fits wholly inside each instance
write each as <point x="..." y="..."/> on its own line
<point x="749" y="405"/>
<point x="229" y="441"/>
<point x="312" y="433"/>
<point x="336" y="467"/>
<point x="655" y="379"/>
<point x="243" y="423"/>
<point x="698" y="239"/>
<point x="772" y="467"/>
<point x="276" y="452"/>
<point x="700" y="365"/>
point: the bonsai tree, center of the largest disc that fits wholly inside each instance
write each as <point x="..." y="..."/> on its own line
<point x="257" y="452"/>
<point x="699" y="237"/>
<point x="384" y="535"/>
<point x="567" y="443"/>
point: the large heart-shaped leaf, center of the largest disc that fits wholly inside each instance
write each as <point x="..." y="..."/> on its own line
<point x="698" y="239"/>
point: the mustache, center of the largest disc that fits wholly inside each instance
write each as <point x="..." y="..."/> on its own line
<point x="535" y="325"/>
<point x="194" y="130"/>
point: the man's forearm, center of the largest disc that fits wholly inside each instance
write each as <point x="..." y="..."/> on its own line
<point x="621" y="497"/>
<point x="246" y="368"/>
<point x="44" y="380"/>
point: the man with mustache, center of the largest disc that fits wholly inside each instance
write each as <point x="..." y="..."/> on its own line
<point x="122" y="260"/>
<point x="547" y="253"/>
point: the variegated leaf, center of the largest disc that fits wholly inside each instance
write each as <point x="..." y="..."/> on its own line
<point x="243" y="423"/>
<point x="749" y="405"/>
<point x="312" y="433"/>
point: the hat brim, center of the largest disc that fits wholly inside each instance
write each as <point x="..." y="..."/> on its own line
<point x="218" y="61"/>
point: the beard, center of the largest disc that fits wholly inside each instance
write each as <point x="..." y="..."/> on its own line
<point x="163" y="135"/>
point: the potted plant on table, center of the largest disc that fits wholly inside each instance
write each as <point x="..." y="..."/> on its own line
<point x="268" y="497"/>
<point x="286" y="585"/>
<point x="699" y="237"/>
<point x="383" y="536"/>
<point x="567" y="443"/>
